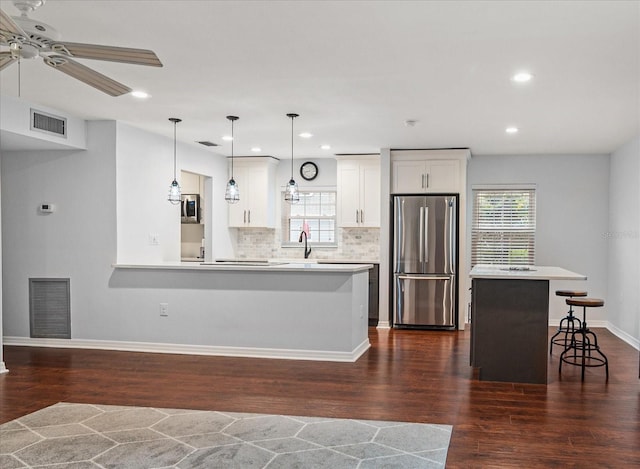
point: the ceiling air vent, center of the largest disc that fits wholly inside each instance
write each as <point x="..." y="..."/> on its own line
<point x="53" y="125"/>
<point x="206" y="143"/>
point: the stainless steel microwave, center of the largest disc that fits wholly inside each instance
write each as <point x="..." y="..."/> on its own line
<point x="190" y="208"/>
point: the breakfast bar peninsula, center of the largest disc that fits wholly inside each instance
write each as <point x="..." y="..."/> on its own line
<point x="509" y="321"/>
<point x="303" y="311"/>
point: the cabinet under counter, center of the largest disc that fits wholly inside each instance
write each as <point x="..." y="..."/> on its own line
<point x="509" y="321"/>
<point x="294" y="310"/>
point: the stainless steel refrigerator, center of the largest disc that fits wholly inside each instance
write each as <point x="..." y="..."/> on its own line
<point x="425" y="240"/>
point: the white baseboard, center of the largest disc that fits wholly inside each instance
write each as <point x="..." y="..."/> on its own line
<point x="619" y="333"/>
<point x="247" y="352"/>
<point x="3" y="368"/>
<point x="591" y="323"/>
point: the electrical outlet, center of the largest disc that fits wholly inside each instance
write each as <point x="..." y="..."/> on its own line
<point x="154" y="239"/>
<point x="164" y="309"/>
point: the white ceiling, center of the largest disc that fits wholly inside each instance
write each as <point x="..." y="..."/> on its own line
<point x="355" y="71"/>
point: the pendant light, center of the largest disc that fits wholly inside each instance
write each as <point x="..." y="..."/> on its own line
<point x="174" y="189"/>
<point x="232" y="194"/>
<point x="291" y="193"/>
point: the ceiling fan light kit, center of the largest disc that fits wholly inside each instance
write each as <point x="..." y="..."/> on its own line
<point x="30" y="39"/>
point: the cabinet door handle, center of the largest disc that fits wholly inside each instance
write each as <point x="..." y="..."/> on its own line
<point x="361" y="216"/>
<point x="249" y="217"/>
<point x="244" y="213"/>
<point x="427" y="180"/>
<point x="357" y="216"/>
<point x="422" y="181"/>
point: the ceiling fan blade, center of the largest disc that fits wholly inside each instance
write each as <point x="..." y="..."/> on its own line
<point x="86" y="75"/>
<point x="6" y="59"/>
<point x="112" y="54"/>
<point x="8" y="26"/>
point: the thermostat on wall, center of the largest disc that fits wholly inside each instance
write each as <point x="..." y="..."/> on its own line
<point x="47" y="208"/>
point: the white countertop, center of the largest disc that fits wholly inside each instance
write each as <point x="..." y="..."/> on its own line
<point x="252" y="267"/>
<point x="534" y="272"/>
<point x="293" y="260"/>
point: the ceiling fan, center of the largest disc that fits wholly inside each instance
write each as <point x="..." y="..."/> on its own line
<point x="30" y="39"/>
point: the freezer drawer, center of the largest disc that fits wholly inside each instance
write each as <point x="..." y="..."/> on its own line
<point x="424" y="301"/>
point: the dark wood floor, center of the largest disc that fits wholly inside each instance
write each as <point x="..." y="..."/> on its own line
<point x="406" y="375"/>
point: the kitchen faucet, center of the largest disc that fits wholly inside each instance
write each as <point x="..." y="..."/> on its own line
<point x="307" y="250"/>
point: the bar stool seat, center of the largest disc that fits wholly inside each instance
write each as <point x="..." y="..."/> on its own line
<point x="567" y="324"/>
<point x="584" y="341"/>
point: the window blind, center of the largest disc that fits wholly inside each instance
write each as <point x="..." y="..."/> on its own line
<point x="504" y="226"/>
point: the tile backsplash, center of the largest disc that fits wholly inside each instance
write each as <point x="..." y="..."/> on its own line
<point x="264" y="243"/>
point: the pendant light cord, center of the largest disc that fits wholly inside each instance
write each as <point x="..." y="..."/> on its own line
<point x="175" y="123"/>
<point x="292" y="117"/>
<point x="232" y="148"/>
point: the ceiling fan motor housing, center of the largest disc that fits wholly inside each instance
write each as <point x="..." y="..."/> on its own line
<point x="37" y="30"/>
<point x="26" y="6"/>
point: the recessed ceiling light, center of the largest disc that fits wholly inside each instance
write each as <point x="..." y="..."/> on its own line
<point x="511" y="130"/>
<point x="227" y="138"/>
<point x="522" y="77"/>
<point x="256" y="149"/>
<point x="305" y="135"/>
<point x="325" y="147"/>
<point x="140" y="94"/>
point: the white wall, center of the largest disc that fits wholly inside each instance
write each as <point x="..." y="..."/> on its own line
<point x="3" y="368"/>
<point x="144" y="171"/>
<point x="572" y="193"/>
<point x="79" y="240"/>
<point x="623" y="237"/>
<point x="15" y="125"/>
<point x="327" y="173"/>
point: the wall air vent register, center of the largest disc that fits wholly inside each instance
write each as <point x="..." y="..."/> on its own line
<point x="50" y="308"/>
<point x="48" y="123"/>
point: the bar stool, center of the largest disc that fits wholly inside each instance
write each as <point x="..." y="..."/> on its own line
<point x="587" y="342"/>
<point x="569" y="319"/>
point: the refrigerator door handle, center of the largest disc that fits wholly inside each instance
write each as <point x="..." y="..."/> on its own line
<point x="421" y="235"/>
<point x="425" y="219"/>
<point x="452" y="235"/>
<point x="422" y="277"/>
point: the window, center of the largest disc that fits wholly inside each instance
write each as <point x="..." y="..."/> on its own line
<point x="318" y="210"/>
<point x="504" y="226"/>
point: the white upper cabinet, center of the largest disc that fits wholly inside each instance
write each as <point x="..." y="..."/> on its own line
<point x="358" y="192"/>
<point x="426" y="171"/>
<point x="256" y="181"/>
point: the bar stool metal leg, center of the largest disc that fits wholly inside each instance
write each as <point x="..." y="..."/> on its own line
<point x="584" y="346"/>
<point x="567" y="324"/>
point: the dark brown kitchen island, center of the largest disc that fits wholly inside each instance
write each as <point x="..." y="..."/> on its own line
<point x="509" y="321"/>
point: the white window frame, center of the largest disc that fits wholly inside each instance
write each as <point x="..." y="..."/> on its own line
<point x="286" y="206"/>
<point x="497" y="236"/>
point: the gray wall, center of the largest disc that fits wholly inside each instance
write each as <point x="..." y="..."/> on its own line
<point x="78" y="241"/>
<point x="2" y="365"/>
<point x="572" y="193"/>
<point x="623" y="237"/>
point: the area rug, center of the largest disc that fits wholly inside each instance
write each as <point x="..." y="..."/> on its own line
<point x="83" y="436"/>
